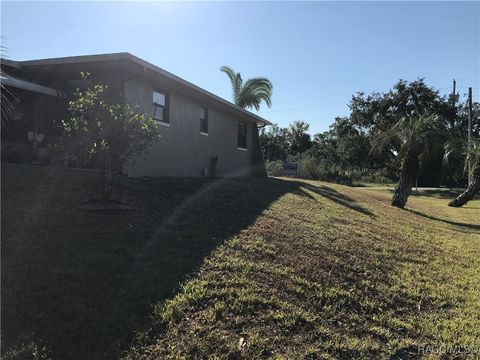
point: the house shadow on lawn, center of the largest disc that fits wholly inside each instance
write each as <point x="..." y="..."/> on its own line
<point x="455" y="223"/>
<point x="335" y="196"/>
<point x="439" y="193"/>
<point x="81" y="284"/>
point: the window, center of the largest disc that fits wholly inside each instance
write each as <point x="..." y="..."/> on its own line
<point x="160" y="107"/>
<point x="242" y="136"/>
<point x="203" y="120"/>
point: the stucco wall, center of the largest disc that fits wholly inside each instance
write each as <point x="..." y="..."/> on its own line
<point x="182" y="150"/>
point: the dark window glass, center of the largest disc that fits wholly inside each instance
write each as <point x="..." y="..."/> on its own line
<point x="160" y="107"/>
<point x="242" y="135"/>
<point x="203" y="119"/>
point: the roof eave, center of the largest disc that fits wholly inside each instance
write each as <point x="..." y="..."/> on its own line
<point x="130" y="57"/>
<point x="10" y="63"/>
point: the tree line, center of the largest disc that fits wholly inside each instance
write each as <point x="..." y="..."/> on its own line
<point x="410" y="131"/>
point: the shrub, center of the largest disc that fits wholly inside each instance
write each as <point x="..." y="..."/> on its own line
<point x="310" y="167"/>
<point x="274" y="168"/>
<point x="109" y="131"/>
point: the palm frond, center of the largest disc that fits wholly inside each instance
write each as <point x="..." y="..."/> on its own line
<point x="455" y="145"/>
<point x="473" y="153"/>
<point x="383" y="140"/>
<point x="236" y="80"/>
<point x="425" y="156"/>
<point x="252" y="93"/>
<point x="416" y="135"/>
<point x="8" y="98"/>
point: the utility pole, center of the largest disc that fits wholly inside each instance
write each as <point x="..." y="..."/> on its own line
<point x="470" y="115"/>
<point x="453" y="92"/>
<point x="452" y="101"/>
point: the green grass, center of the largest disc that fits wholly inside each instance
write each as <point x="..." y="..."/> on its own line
<point x="245" y="268"/>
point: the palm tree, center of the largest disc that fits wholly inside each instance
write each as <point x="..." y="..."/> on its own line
<point x="457" y="145"/>
<point x="416" y="137"/>
<point x="251" y="93"/>
<point x="8" y="98"/>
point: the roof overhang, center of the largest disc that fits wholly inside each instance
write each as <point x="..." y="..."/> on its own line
<point x="29" y="86"/>
<point x="10" y="63"/>
<point x="145" y="67"/>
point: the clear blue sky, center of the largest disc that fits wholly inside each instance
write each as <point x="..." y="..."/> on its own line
<point x="316" y="54"/>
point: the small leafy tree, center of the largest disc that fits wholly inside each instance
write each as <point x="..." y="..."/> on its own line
<point x="109" y="132"/>
<point x="376" y="113"/>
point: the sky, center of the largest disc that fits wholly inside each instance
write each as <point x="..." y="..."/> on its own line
<point x="317" y="54"/>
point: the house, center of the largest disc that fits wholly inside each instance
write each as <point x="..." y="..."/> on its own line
<point x="199" y="130"/>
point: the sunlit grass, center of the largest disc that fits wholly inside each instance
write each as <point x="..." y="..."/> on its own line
<point x="332" y="272"/>
<point x="251" y="268"/>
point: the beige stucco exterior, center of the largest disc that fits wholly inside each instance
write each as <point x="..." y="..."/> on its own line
<point x="182" y="150"/>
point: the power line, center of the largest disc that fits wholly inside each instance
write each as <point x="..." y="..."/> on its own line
<point x="312" y="97"/>
<point x="345" y="93"/>
<point x="459" y="90"/>
<point x="304" y="107"/>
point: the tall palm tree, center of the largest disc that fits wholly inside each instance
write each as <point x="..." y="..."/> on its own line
<point x="251" y="93"/>
<point x="416" y="137"/>
<point x="458" y="145"/>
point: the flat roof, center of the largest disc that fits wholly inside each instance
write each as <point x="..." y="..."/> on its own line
<point x="132" y="58"/>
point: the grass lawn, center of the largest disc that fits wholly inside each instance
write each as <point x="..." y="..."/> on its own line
<point x="239" y="268"/>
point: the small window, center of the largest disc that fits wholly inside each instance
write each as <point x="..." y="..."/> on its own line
<point x="160" y="107"/>
<point x="203" y="120"/>
<point x="242" y="135"/>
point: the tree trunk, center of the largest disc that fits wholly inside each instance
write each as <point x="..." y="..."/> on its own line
<point x="472" y="189"/>
<point x="107" y="177"/>
<point x="408" y="171"/>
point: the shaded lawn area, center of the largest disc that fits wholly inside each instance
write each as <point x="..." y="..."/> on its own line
<point x="331" y="272"/>
<point x="271" y="268"/>
<point x="81" y="284"/>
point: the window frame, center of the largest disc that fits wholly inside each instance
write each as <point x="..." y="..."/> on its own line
<point x="205" y="119"/>
<point x="245" y="135"/>
<point x="165" y="108"/>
